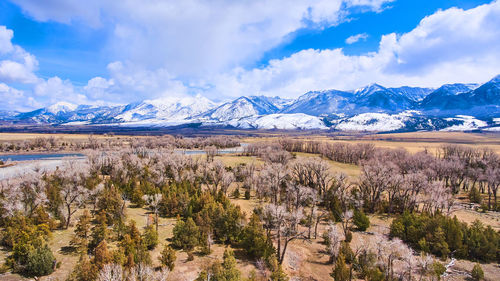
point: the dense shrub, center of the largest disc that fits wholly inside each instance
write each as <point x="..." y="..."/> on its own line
<point x="168" y="257"/>
<point x="360" y="220"/>
<point x="186" y="235"/>
<point x="40" y="262"/>
<point x="438" y="269"/>
<point x="30" y="254"/>
<point x="340" y="271"/>
<point x="150" y="237"/>
<point x="254" y="241"/>
<point x="477" y="272"/>
<point x="226" y="270"/>
<point x="475" y="195"/>
<point x="442" y="235"/>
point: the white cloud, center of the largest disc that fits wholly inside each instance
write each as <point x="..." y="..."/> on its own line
<point x="195" y="37"/>
<point x="16" y="65"/>
<point x="355" y="38"/>
<point x="129" y="82"/>
<point x="375" y="5"/>
<point x="449" y="46"/>
<point x="5" y="40"/>
<point x="55" y="90"/>
<point x="14" y="99"/>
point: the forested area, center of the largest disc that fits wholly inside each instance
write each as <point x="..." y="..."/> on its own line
<point x="107" y="142"/>
<point x="297" y="198"/>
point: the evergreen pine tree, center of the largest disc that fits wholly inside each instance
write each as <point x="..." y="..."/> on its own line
<point x="168" y="257"/>
<point x="82" y="232"/>
<point x="340" y="272"/>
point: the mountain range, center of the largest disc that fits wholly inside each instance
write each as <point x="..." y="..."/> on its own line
<point x="372" y="108"/>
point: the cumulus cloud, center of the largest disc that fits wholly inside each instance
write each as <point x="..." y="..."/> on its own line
<point x="14" y="99"/>
<point x="16" y="65"/>
<point x="375" y="5"/>
<point x="128" y="82"/>
<point x="5" y="40"/>
<point x="195" y="37"/>
<point x="55" y="89"/>
<point x="355" y="38"/>
<point x="449" y="46"/>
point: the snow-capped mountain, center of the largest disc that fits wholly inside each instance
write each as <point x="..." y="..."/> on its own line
<point x="376" y="98"/>
<point x="416" y="94"/>
<point x="373" y="122"/>
<point x="169" y="109"/>
<point x="446" y="96"/>
<point x="486" y="94"/>
<point x="371" y="108"/>
<point x="7" y="114"/>
<point x="372" y="98"/>
<point x="319" y="103"/>
<point x="279" y="121"/>
<point x="61" y="107"/>
<point x="244" y="107"/>
<point x="66" y="112"/>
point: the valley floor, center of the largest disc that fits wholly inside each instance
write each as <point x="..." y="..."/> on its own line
<point x="306" y="259"/>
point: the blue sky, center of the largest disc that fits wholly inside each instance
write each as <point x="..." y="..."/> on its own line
<point x="97" y="51"/>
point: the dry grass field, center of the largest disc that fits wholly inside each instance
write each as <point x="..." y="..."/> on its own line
<point x="413" y="142"/>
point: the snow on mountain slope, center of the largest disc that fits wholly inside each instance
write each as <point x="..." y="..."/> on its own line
<point x="492" y="129"/>
<point x="154" y="123"/>
<point x="371" y="108"/>
<point x="241" y="107"/>
<point x="321" y="103"/>
<point x="414" y="93"/>
<point x="376" y="98"/>
<point x="280" y="103"/>
<point x="381" y="122"/>
<point x="467" y="123"/>
<point x="8" y="114"/>
<point x="447" y="96"/>
<point x="279" y="121"/>
<point x="168" y="108"/>
<point x="61" y="107"/>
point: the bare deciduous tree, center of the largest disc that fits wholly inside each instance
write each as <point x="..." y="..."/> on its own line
<point x="285" y="227"/>
<point x="154" y="201"/>
<point x="334" y="237"/>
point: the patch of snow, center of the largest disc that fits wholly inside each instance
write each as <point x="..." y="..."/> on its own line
<point x="375" y="122"/>
<point x="279" y="121"/>
<point x="151" y="123"/>
<point x="61" y="106"/>
<point x="496" y="79"/>
<point x="166" y="109"/>
<point x="468" y="123"/>
<point x="236" y="109"/>
<point x="76" y="123"/>
<point x="496" y="121"/>
<point x="369" y="89"/>
<point x="492" y="129"/>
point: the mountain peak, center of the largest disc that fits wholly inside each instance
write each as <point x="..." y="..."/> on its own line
<point x="61" y="106"/>
<point x="457" y="88"/>
<point x="369" y="89"/>
<point x="495" y="79"/>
